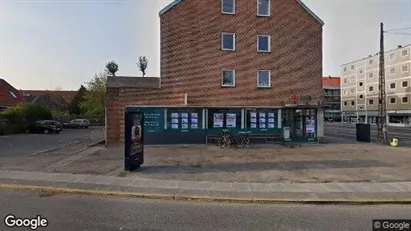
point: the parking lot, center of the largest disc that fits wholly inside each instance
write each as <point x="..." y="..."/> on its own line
<point x="66" y="141"/>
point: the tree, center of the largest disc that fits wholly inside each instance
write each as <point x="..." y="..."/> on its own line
<point x="94" y="103"/>
<point x="142" y="64"/>
<point x="112" y="68"/>
<point x="74" y="106"/>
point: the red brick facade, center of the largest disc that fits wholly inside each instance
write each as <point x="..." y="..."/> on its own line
<point x="192" y="59"/>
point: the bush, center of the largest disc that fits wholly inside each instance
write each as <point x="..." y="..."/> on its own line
<point x="20" y="116"/>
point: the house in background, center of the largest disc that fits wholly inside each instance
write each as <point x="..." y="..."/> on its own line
<point x="54" y="100"/>
<point x="9" y="96"/>
<point x="332" y="98"/>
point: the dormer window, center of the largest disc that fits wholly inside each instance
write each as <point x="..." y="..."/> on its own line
<point x="228" y="6"/>
<point x="13" y="95"/>
<point x="263" y="7"/>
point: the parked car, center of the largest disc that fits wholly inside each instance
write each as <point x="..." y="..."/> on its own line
<point x="44" y="126"/>
<point x="77" y="123"/>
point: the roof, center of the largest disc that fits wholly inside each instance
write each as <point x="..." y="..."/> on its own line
<point x="9" y="96"/>
<point x="377" y="54"/>
<point x="176" y="2"/>
<point x="331" y="82"/>
<point x="66" y="95"/>
<point x="133" y="82"/>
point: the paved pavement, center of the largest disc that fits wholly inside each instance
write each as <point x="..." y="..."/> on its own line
<point x="394" y="192"/>
<point x="346" y="133"/>
<point x="73" y="213"/>
<point x="66" y="142"/>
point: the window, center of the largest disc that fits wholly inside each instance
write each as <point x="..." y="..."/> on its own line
<point x="345" y="80"/>
<point x="392" y="56"/>
<point x="370" y="62"/>
<point x="392" y="100"/>
<point x="345" y="69"/>
<point x="352" y="79"/>
<point x="370" y="88"/>
<point x="263" y="7"/>
<point x="263" y="43"/>
<point x="13" y="95"/>
<point x="370" y="102"/>
<point x="361" y="107"/>
<point x="360" y="84"/>
<point x="392" y="85"/>
<point x="228" y="78"/>
<point x="263" y="78"/>
<point x="352" y="103"/>
<point x="361" y="71"/>
<point x="352" y="67"/>
<point x="228" y="6"/>
<point x="361" y="96"/>
<point x="392" y="71"/>
<point x="261" y="118"/>
<point x="224" y="118"/>
<point x="352" y="90"/>
<point x="404" y="53"/>
<point x="184" y="118"/>
<point x="345" y="103"/>
<point x="228" y="41"/>
<point x="404" y="99"/>
<point x="345" y="92"/>
<point x="404" y="68"/>
<point x="370" y="75"/>
<point x="404" y="84"/>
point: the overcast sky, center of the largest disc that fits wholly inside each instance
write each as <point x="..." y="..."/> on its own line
<point x="51" y="44"/>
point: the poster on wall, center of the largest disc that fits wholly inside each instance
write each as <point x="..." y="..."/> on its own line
<point x="184" y="115"/>
<point x="262" y="120"/>
<point x="218" y="120"/>
<point x="184" y="126"/>
<point x="271" y="125"/>
<point x="194" y="121"/>
<point x="253" y="120"/>
<point x="253" y="115"/>
<point x="271" y="115"/>
<point x="174" y="126"/>
<point x="194" y="126"/>
<point x="231" y="120"/>
<point x="174" y="115"/>
<point x="194" y="115"/>
<point x="174" y="121"/>
<point x="262" y="125"/>
<point x="184" y="121"/>
<point x="261" y="114"/>
<point x="271" y="120"/>
<point x="253" y="125"/>
<point x="310" y="129"/>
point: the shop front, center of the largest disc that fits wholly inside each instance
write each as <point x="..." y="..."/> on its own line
<point x="183" y="125"/>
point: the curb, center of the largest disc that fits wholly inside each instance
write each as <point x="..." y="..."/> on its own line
<point x="71" y="191"/>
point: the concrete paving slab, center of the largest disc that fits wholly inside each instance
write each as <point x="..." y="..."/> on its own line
<point x="242" y="187"/>
<point x="260" y="187"/>
<point x="193" y="185"/>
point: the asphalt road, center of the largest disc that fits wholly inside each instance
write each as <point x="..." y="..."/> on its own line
<point x="64" y="212"/>
<point x="31" y="144"/>
<point x="347" y="133"/>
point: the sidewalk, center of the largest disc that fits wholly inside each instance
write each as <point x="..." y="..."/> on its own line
<point x="363" y="193"/>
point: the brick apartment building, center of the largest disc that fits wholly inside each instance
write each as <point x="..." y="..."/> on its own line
<point x="332" y="98"/>
<point x="235" y="58"/>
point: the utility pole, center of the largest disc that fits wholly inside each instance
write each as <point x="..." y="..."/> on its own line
<point x="382" y="104"/>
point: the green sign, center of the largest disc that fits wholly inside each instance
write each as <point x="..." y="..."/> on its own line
<point x="153" y="120"/>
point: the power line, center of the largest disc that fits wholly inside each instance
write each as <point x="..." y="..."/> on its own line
<point x="398" y="33"/>
<point x="405" y="28"/>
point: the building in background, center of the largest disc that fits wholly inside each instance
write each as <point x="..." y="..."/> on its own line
<point x="332" y="98"/>
<point x="9" y="96"/>
<point x="359" y="88"/>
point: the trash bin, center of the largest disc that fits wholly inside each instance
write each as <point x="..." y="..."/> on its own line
<point x="363" y="132"/>
<point x="394" y="142"/>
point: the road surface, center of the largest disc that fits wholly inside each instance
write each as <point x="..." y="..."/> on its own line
<point x="65" y="212"/>
<point x="347" y="133"/>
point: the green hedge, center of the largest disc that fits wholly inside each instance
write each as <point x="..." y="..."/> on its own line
<point x="20" y="116"/>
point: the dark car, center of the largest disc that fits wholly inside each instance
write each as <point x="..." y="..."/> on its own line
<point x="44" y="126"/>
<point x="77" y="123"/>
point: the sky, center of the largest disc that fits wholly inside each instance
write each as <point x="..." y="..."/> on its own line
<point x="61" y="44"/>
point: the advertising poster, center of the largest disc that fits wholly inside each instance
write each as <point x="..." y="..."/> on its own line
<point x="174" y="115"/>
<point x="270" y="125"/>
<point x="184" y="115"/>
<point x="194" y="115"/>
<point x="195" y="126"/>
<point x="174" y="126"/>
<point x="253" y="125"/>
<point x="262" y="120"/>
<point x="184" y="120"/>
<point x="174" y="121"/>
<point x="253" y="115"/>
<point x="271" y="115"/>
<point x="194" y="121"/>
<point x="184" y="126"/>
<point x="218" y="120"/>
<point x="253" y="120"/>
<point x="261" y="115"/>
<point x="262" y="125"/>
<point x="271" y="120"/>
<point x="230" y="119"/>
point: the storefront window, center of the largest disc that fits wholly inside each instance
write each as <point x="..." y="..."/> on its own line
<point x="261" y="118"/>
<point x="310" y="124"/>
<point x="224" y="118"/>
<point x="184" y="119"/>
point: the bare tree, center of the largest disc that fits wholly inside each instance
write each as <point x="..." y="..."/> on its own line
<point x="142" y="64"/>
<point x="112" y="68"/>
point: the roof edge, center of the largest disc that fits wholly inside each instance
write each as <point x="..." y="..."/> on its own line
<point x="169" y="6"/>
<point x="311" y="12"/>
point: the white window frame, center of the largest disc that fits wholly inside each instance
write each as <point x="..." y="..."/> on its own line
<point x="269" y="9"/>
<point x="369" y="102"/>
<point x="402" y="53"/>
<point x="395" y="55"/>
<point x="395" y="100"/>
<point x="269" y="79"/>
<point x="345" y="80"/>
<point x="405" y="65"/>
<point x="269" y="43"/>
<point x="408" y="100"/>
<point x="345" y="69"/>
<point x="222" y="41"/>
<point x="222" y="7"/>
<point x="392" y="68"/>
<point x="222" y="77"/>
<point x="393" y="88"/>
<point x="405" y="81"/>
